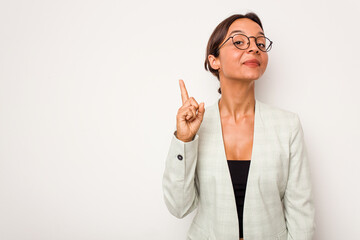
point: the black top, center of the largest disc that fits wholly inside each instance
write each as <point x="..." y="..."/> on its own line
<point x="239" y="170"/>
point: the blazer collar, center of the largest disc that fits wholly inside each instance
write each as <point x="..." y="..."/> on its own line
<point x="213" y="149"/>
<point x="213" y="139"/>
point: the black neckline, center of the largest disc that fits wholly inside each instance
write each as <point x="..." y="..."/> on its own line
<point x="239" y="160"/>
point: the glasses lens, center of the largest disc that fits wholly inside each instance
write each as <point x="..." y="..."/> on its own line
<point x="264" y="44"/>
<point x="240" y="41"/>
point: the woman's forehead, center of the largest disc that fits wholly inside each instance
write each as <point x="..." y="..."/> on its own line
<point x="245" y="26"/>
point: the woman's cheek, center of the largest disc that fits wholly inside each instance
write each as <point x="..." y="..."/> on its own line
<point x="264" y="64"/>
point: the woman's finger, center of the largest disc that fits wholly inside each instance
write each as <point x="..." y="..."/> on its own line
<point x="184" y="93"/>
<point x="193" y="110"/>
<point x="193" y="102"/>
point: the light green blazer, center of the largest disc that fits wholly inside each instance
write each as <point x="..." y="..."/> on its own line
<point x="278" y="200"/>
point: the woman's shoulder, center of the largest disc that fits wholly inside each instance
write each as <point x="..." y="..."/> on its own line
<point x="272" y="109"/>
<point x="278" y="115"/>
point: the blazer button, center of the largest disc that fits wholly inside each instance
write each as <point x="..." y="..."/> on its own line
<point x="180" y="157"/>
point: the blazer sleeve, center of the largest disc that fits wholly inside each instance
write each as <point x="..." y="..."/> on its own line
<point x="298" y="198"/>
<point x="179" y="188"/>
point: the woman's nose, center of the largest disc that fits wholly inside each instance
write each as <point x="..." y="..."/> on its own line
<point x="253" y="46"/>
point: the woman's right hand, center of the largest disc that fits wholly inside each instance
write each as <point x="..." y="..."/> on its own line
<point x="187" y="120"/>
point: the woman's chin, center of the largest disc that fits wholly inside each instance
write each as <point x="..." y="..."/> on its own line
<point x="250" y="77"/>
<point x="245" y="77"/>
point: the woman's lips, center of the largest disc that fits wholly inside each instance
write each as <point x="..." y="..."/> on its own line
<point x="252" y="63"/>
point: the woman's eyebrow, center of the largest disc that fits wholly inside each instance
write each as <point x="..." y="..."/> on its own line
<point x="239" y="31"/>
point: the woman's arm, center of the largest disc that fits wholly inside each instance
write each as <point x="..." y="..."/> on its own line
<point x="298" y="198"/>
<point x="180" y="192"/>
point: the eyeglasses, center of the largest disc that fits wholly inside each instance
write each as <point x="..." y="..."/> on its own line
<point x="242" y="42"/>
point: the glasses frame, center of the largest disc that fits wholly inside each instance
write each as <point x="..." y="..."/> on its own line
<point x="248" y="45"/>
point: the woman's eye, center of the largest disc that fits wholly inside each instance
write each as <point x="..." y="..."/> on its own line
<point x="261" y="45"/>
<point x="239" y="42"/>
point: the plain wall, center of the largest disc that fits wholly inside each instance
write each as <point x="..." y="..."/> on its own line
<point x="89" y="94"/>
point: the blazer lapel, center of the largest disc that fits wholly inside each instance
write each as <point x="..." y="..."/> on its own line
<point x="252" y="176"/>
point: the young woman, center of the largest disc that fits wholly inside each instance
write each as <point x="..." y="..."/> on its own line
<point x="242" y="163"/>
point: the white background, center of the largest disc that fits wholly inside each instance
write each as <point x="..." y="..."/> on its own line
<point x="89" y="94"/>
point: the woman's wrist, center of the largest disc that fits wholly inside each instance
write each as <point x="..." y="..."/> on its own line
<point x="183" y="139"/>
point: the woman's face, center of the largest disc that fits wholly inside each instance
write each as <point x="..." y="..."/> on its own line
<point x="231" y="60"/>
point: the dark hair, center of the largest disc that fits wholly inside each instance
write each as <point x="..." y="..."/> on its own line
<point x="218" y="36"/>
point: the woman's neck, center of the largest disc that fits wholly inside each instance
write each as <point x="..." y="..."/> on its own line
<point x="237" y="99"/>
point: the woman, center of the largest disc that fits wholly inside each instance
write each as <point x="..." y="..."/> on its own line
<point x="208" y="163"/>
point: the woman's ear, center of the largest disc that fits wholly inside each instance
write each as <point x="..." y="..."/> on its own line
<point x="214" y="62"/>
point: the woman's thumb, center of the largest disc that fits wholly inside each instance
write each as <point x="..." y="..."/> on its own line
<point x="201" y="110"/>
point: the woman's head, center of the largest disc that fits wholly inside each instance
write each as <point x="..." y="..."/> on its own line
<point x="224" y="59"/>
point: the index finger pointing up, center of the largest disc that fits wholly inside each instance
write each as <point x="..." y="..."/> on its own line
<point x="184" y="93"/>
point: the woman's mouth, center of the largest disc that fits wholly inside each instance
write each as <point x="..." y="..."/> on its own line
<point x="252" y="63"/>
